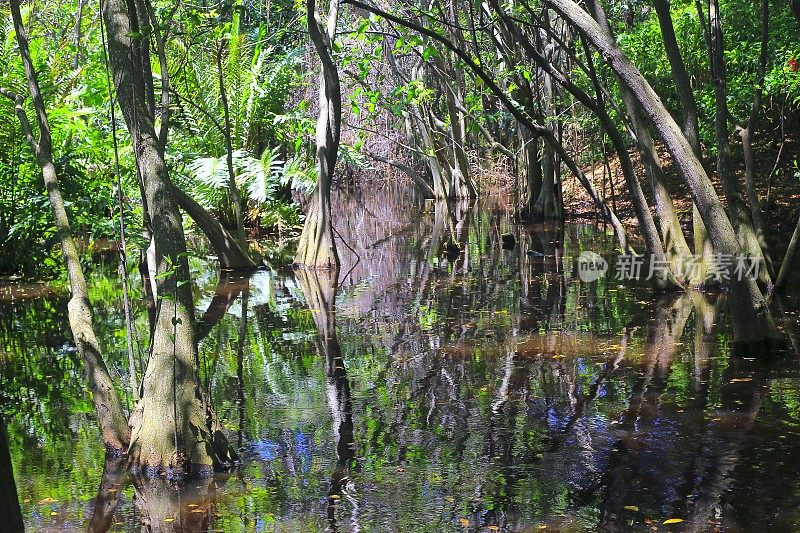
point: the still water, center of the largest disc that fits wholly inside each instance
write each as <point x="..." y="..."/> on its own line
<point x="443" y="384"/>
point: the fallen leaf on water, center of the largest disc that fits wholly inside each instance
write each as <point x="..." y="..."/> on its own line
<point x="46" y="501"/>
<point x="464" y="522"/>
<point x="169" y="520"/>
<point x="26" y="500"/>
<point x="192" y="505"/>
<point x="53" y="513"/>
<point x="631" y="508"/>
<point x="494" y="528"/>
<point x="739" y="380"/>
<point x="335" y="497"/>
<point x="673" y="521"/>
<point x="198" y="510"/>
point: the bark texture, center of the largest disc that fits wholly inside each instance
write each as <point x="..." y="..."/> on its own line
<point x="175" y="432"/>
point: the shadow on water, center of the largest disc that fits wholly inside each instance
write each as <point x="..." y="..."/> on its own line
<point x="455" y="375"/>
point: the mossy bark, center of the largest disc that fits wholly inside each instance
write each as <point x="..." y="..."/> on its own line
<point x="175" y="432"/>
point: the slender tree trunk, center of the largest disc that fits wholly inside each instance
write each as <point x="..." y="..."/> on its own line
<point x="113" y="426"/>
<point x="460" y="169"/>
<point x="672" y="247"/>
<point x="78" y="35"/>
<point x="317" y="247"/>
<point x="522" y="116"/>
<point x="691" y="129"/>
<point x="789" y="259"/>
<point x="233" y="188"/>
<point x="747" y="303"/>
<point x="544" y="207"/>
<point x="174" y="429"/>
<point x="746" y="133"/>
<point x="530" y="167"/>
<point x="739" y="214"/>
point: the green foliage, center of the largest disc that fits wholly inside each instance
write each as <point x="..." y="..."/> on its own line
<point x="77" y="109"/>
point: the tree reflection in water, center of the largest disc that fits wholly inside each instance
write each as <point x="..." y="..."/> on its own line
<point x="437" y="381"/>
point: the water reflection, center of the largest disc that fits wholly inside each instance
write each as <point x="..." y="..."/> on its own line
<point x="440" y="381"/>
<point x="9" y="501"/>
<point x="319" y="290"/>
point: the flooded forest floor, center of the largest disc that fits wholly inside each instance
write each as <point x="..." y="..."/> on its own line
<point x="484" y="390"/>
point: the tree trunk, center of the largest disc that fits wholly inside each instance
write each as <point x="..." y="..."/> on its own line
<point x="691" y="129"/>
<point x="231" y="256"/>
<point x="672" y="247"/>
<point x="233" y="188"/>
<point x="738" y="212"/>
<point x="462" y="178"/>
<point x="788" y="259"/>
<point x="530" y="167"/>
<point x="317" y="247"/>
<point x="523" y="117"/>
<point x="746" y="134"/>
<point x="174" y="429"/>
<point x="544" y="208"/>
<point x="113" y="426"/>
<point x="747" y="303"/>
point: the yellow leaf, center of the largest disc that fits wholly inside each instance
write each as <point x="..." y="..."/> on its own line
<point x="673" y="521"/>
<point x="631" y="508"/>
<point x="53" y="513"/>
<point x="464" y="522"/>
<point x="169" y="520"/>
<point x="494" y="528"/>
<point x="46" y="501"/>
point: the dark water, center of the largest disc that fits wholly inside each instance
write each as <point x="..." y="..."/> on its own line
<point x="479" y="390"/>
